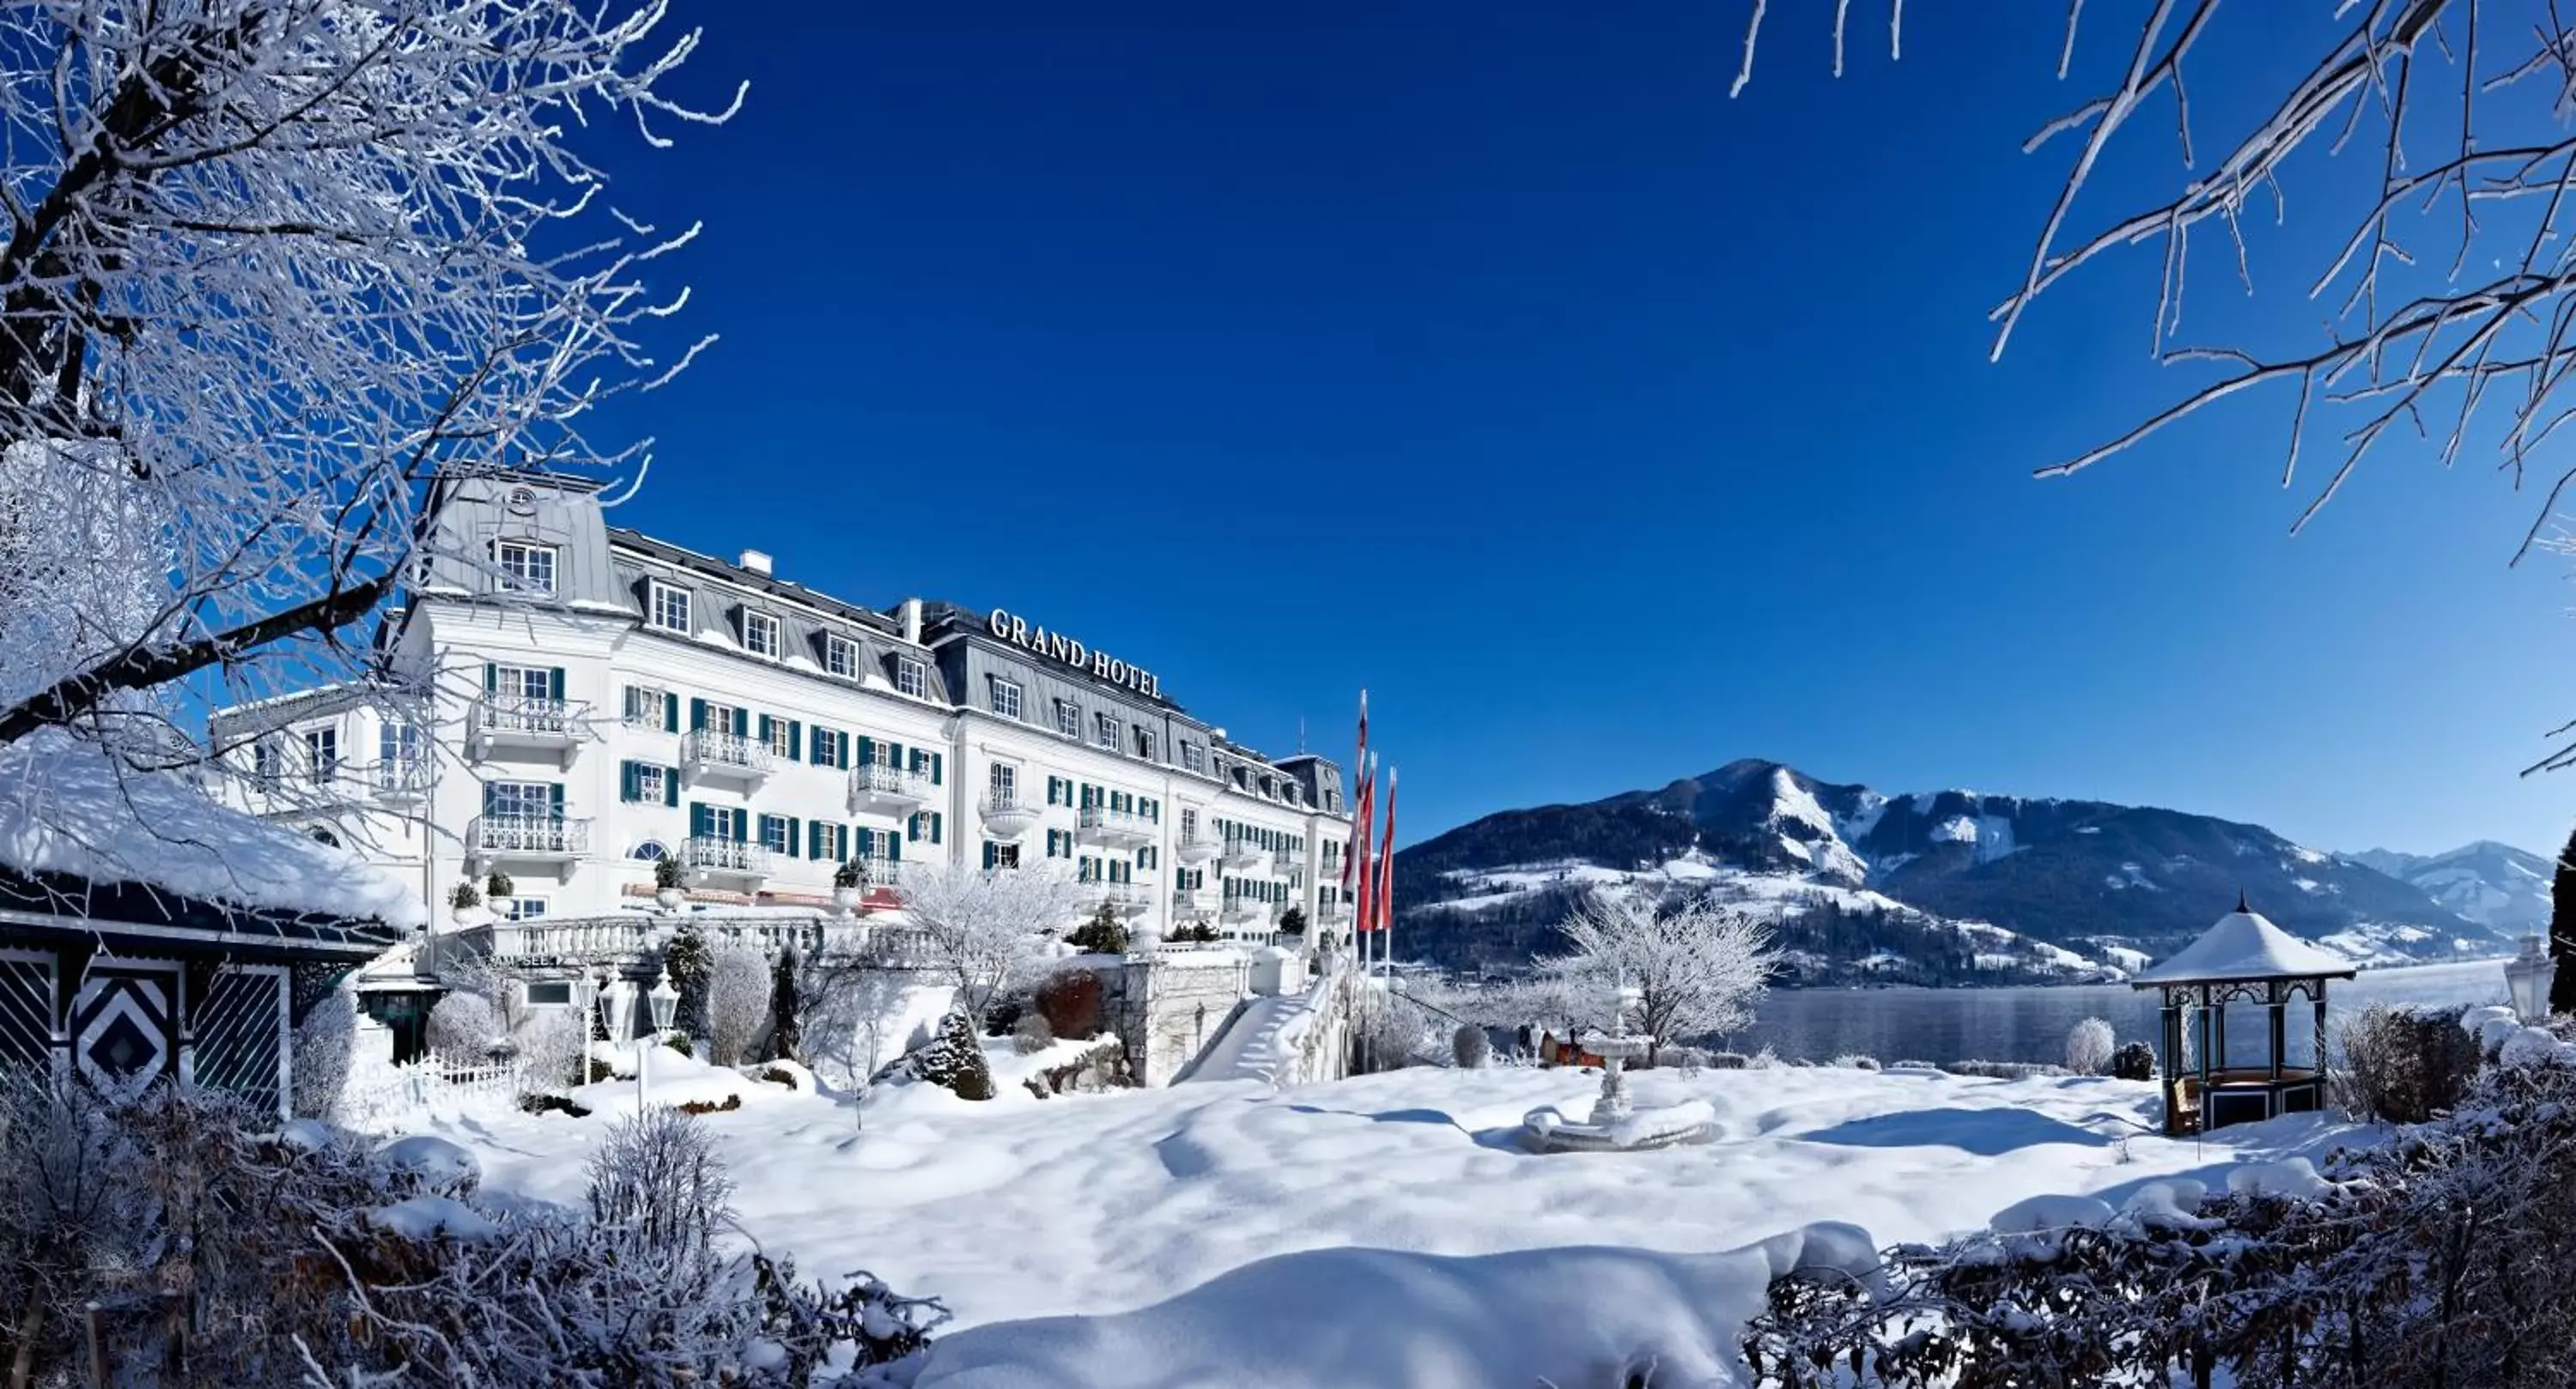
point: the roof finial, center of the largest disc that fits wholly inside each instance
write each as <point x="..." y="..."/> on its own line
<point x="2241" y="908"/>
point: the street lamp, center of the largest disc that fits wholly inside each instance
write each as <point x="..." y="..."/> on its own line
<point x="2527" y="978"/>
<point x="664" y="1001"/>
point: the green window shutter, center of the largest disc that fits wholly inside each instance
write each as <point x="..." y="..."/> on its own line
<point x="894" y="755"/>
<point x="670" y="786"/>
<point x="491" y="678"/>
<point x="894" y="847"/>
<point x="491" y="798"/>
<point x="670" y="713"/>
<point x="795" y="738"/>
<point x="791" y="836"/>
<point x="764" y="730"/>
<point x="912" y="826"/>
<point x="814" y="749"/>
<point x="697" y="819"/>
<point x="697" y="714"/>
<point x="554" y="682"/>
<point x="989" y="856"/>
<point x="867" y="750"/>
<point x="626" y="780"/>
<point x="742" y="827"/>
<point x="935" y="819"/>
<point x="935" y="771"/>
<point x="814" y="839"/>
<point x="554" y="800"/>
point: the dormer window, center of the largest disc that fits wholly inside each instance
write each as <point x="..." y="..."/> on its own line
<point x="760" y="635"/>
<point x="1144" y="742"/>
<point x="1108" y="731"/>
<point x="669" y="608"/>
<point x="841" y="657"/>
<point x="911" y="677"/>
<point x="526" y="567"/>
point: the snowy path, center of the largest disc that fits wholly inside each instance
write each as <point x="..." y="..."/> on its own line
<point x="1250" y="1047"/>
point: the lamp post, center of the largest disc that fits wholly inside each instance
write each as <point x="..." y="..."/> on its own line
<point x="2527" y="977"/>
<point x="664" y="1001"/>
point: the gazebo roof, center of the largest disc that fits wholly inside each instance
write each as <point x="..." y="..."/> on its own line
<point x="2243" y="945"/>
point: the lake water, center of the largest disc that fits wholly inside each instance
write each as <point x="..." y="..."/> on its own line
<point x="2030" y="1024"/>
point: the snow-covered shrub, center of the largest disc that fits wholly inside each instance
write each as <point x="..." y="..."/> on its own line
<point x="1725" y="1060"/>
<point x="462" y="1028"/>
<point x="955" y="1059"/>
<point x="2134" y="1061"/>
<point x="691" y="963"/>
<point x="1856" y="1061"/>
<point x="1100" y="933"/>
<point x="551" y="1051"/>
<point x="1032" y="1034"/>
<point x="2402" y="1065"/>
<point x="318" y="1065"/>
<point x="1698" y="967"/>
<point x="737" y="1003"/>
<point x="1469" y="1047"/>
<point x="786" y="1008"/>
<point x="2002" y="1070"/>
<point x="2089" y="1045"/>
<point x="2424" y="1262"/>
<point x="656" y="1179"/>
<point x="1763" y="1060"/>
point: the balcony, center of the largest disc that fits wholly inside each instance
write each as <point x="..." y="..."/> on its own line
<point x="1334" y="914"/>
<point x="887" y="790"/>
<point x="708" y="754"/>
<point x="526" y="839"/>
<point x="1189" y="901"/>
<point x="703" y="857"/>
<point x="1126" y="899"/>
<point x="1245" y="855"/>
<point x="592" y="941"/>
<point x="880" y="872"/>
<point x="1005" y="818"/>
<point x="523" y="721"/>
<point x="1241" y="911"/>
<point x="1286" y="861"/>
<point x="1197" y="850"/>
<point x="1114" y="829"/>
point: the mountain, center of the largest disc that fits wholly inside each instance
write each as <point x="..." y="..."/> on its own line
<point x="1945" y="886"/>
<point x="2498" y="886"/>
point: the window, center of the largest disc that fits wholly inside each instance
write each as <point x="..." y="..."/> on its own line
<point x="520" y="909"/>
<point x="652" y="784"/>
<point x="1006" y="697"/>
<point x="841" y="657"/>
<point x="525" y="567"/>
<point x="322" y="753"/>
<point x="551" y="993"/>
<point x="1145" y="857"/>
<point x="670" y="608"/>
<point x="782" y="738"/>
<point x="397" y="754"/>
<point x="1005" y="784"/>
<point x="647" y="707"/>
<point x="651" y="851"/>
<point x="1193" y="756"/>
<point x="519" y="800"/>
<point x="827" y="842"/>
<point x="268" y="763"/>
<point x="1333" y="801"/>
<point x="1105" y="730"/>
<point x="727" y="718"/>
<point x="777" y="834"/>
<point x="1189" y="825"/>
<point x="830" y="747"/>
<point x="913" y="678"/>
<point x="723" y="821"/>
<point x="1144" y="742"/>
<point x="1068" y="719"/>
<point x="1003" y="855"/>
<point x="530" y="683"/>
<point x="760" y="635"/>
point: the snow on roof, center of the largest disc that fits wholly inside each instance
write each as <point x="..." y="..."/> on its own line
<point x="68" y="807"/>
<point x="2243" y="945"/>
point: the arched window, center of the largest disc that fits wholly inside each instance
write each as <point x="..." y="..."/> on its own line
<point x="651" y="851"/>
<point x="323" y="836"/>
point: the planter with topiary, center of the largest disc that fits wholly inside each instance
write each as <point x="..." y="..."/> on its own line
<point x="849" y="885"/>
<point x="465" y="906"/>
<point x="666" y="883"/>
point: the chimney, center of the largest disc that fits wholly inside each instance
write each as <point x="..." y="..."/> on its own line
<point x="912" y="620"/>
<point x="757" y="561"/>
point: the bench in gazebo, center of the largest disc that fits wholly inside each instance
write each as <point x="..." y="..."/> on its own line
<point x="2242" y="959"/>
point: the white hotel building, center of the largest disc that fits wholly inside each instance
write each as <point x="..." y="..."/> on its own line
<point x="606" y="699"/>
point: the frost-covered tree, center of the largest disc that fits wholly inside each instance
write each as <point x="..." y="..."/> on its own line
<point x="955" y="1058"/>
<point x="737" y="1002"/>
<point x="691" y="963"/>
<point x="322" y="1051"/>
<point x="462" y="1028"/>
<point x="1698" y="967"/>
<point x="656" y="1178"/>
<point x="276" y="272"/>
<point x="2089" y="1045"/>
<point x="551" y="1053"/>
<point x="987" y="930"/>
<point x="786" y="1010"/>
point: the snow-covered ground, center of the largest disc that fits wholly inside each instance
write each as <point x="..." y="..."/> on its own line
<point x="1256" y="1224"/>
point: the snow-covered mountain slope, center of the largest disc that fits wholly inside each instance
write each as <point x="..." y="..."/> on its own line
<point x="2498" y="886"/>
<point x="2094" y="877"/>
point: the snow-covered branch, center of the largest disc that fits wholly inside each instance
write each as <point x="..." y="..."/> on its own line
<point x="988" y="929"/>
<point x="1698" y="967"/>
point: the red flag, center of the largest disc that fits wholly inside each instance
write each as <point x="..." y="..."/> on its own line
<point x="1360" y="918"/>
<point x="1359" y="769"/>
<point x="1384" y="899"/>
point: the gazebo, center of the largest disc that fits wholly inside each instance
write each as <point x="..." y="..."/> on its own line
<point x="2241" y="959"/>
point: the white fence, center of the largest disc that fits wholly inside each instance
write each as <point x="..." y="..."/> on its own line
<point x="379" y="1099"/>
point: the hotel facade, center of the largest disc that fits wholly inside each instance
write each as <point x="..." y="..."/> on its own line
<point x="605" y="700"/>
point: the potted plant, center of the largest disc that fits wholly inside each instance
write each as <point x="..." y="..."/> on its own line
<point x="466" y="906"/>
<point x="666" y="883"/>
<point x="849" y="884"/>
<point x="498" y="886"/>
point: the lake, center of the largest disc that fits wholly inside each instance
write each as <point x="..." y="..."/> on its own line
<point x="2030" y="1024"/>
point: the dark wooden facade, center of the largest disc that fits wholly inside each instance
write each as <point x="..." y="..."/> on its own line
<point x="124" y="985"/>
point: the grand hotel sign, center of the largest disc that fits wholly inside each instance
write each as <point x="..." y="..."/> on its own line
<point x="1058" y="646"/>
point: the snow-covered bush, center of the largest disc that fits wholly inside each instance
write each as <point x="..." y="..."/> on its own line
<point x="2424" y="1262"/>
<point x="2003" y="1070"/>
<point x="786" y="1008"/>
<point x="1698" y="968"/>
<point x="2402" y="1065"/>
<point x="691" y="964"/>
<point x="2134" y="1061"/>
<point x="318" y="1065"/>
<point x="551" y="1053"/>
<point x="955" y="1059"/>
<point x="462" y="1028"/>
<point x="1032" y="1034"/>
<point x="1856" y="1061"/>
<point x="2089" y="1045"/>
<point x="987" y="929"/>
<point x="1100" y="933"/>
<point x="1764" y="1060"/>
<point x="1469" y="1047"/>
<point x="656" y="1179"/>
<point x="737" y="1003"/>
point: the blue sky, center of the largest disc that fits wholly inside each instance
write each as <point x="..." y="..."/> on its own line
<point x="1606" y="428"/>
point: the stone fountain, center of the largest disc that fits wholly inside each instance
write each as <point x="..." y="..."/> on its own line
<point x="1616" y="1124"/>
